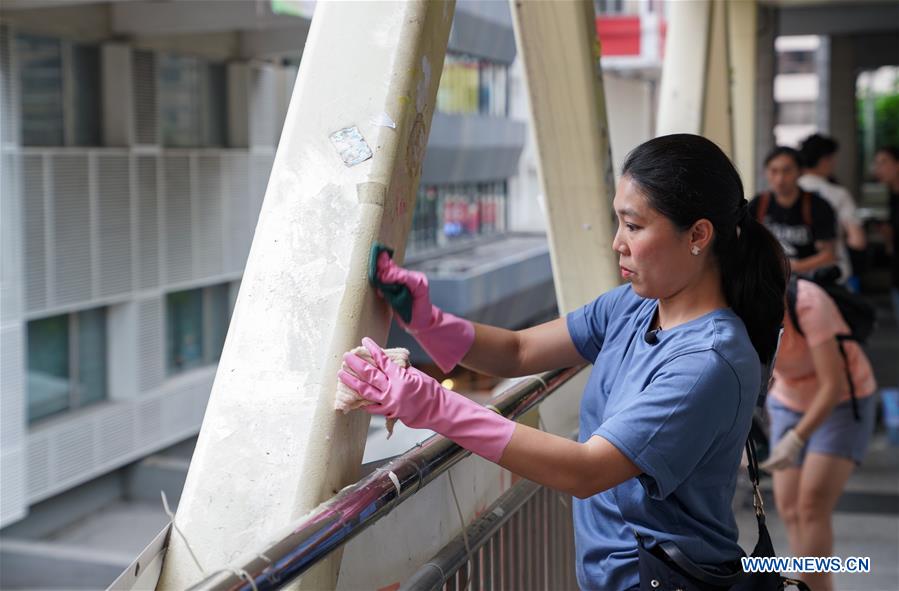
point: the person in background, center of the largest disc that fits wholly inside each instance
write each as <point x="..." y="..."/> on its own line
<point x="819" y="154"/>
<point x="815" y="440"/>
<point x="803" y="222"/>
<point x="886" y="169"/>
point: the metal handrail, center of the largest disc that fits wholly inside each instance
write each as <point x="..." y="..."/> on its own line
<point x="359" y="506"/>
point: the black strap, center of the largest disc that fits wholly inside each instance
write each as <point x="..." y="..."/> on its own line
<point x="852" y="397"/>
<point x="697" y="572"/>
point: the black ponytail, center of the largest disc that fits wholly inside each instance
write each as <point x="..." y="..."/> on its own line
<point x="687" y="178"/>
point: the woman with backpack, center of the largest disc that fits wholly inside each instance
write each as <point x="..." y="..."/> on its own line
<point x="817" y="439"/>
<point x="677" y="358"/>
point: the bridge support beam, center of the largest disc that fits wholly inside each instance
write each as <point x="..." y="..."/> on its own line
<point x="346" y="171"/>
<point x="695" y="95"/>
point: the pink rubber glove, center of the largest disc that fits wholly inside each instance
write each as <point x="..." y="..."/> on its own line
<point x="421" y="403"/>
<point x="446" y="338"/>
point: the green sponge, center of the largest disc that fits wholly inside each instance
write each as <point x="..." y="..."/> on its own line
<point x="397" y="294"/>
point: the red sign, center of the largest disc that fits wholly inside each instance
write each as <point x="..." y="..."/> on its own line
<point x="619" y="35"/>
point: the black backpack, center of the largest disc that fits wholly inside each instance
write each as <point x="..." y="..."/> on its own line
<point x="859" y="315"/>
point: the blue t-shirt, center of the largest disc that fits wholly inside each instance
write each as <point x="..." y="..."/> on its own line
<point x="680" y="410"/>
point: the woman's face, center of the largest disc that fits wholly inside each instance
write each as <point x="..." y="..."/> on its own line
<point x="652" y="254"/>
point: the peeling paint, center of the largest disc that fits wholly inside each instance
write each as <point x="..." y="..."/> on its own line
<point x="421" y="92"/>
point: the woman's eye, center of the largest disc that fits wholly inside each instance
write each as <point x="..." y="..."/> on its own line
<point x="631" y="227"/>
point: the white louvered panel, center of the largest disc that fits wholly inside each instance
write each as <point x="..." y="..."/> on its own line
<point x="71" y="229"/>
<point x="39" y="465"/>
<point x="261" y="170"/>
<point x="12" y="385"/>
<point x="34" y="259"/>
<point x="147" y="220"/>
<point x="150" y="344"/>
<point x="150" y="422"/>
<point x="116" y="433"/>
<point x="208" y="224"/>
<point x="264" y="110"/>
<point x="13" y="495"/>
<point x="146" y="111"/>
<point x="178" y="219"/>
<point x="114" y="224"/>
<point x="183" y="407"/>
<point x="74" y="452"/>
<point x="10" y="238"/>
<point x="239" y="230"/>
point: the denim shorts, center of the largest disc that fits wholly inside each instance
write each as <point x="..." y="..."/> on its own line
<point x="840" y="435"/>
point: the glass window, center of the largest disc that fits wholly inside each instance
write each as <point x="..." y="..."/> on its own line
<point x="471" y="85"/>
<point x="91" y="376"/>
<point x="448" y="214"/>
<point x="179" y="115"/>
<point x="60" y="84"/>
<point x="184" y="310"/>
<point x="48" y="367"/>
<point x="66" y="362"/>
<point x="40" y="71"/>
<point x="86" y="97"/>
<point x="192" y="102"/>
<point x="214" y="93"/>
<point x="796" y="113"/>
<point x="197" y="322"/>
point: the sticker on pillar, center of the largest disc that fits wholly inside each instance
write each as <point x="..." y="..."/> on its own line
<point x="351" y="146"/>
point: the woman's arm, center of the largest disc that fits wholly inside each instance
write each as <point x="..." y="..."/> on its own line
<point x="830" y="370"/>
<point x="579" y="469"/>
<point x="509" y="353"/>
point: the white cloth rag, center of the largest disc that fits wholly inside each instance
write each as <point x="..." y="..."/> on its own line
<point x="347" y="399"/>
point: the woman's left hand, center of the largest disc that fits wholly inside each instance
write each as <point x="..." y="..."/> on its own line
<point x="422" y="403"/>
<point x="785" y="453"/>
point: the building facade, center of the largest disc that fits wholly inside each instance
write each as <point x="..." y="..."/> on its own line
<point x="137" y="143"/>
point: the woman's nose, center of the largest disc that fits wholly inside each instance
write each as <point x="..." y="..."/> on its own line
<point x="617" y="243"/>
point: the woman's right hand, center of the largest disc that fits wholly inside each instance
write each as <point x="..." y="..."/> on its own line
<point x="417" y="283"/>
<point x="446" y="338"/>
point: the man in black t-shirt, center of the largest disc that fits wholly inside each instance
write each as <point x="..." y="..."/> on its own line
<point x="803" y="222"/>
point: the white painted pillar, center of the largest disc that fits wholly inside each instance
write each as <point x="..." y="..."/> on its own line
<point x="766" y="68"/>
<point x="560" y="53"/>
<point x="271" y="447"/>
<point x="743" y="25"/>
<point x="695" y="92"/>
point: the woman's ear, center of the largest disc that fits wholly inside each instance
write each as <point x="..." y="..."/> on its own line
<point x="701" y="234"/>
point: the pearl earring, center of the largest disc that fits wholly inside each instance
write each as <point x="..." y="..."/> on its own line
<point x="694" y="251"/>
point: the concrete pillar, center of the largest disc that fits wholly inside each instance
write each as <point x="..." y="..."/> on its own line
<point x="560" y="53"/>
<point x="271" y="447"/>
<point x="822" y="69"/>
<point x="743" y="25"/>
<point x="842" y="117"/>
<point x="695" y="92"/>
<point x="766" y="68"/>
